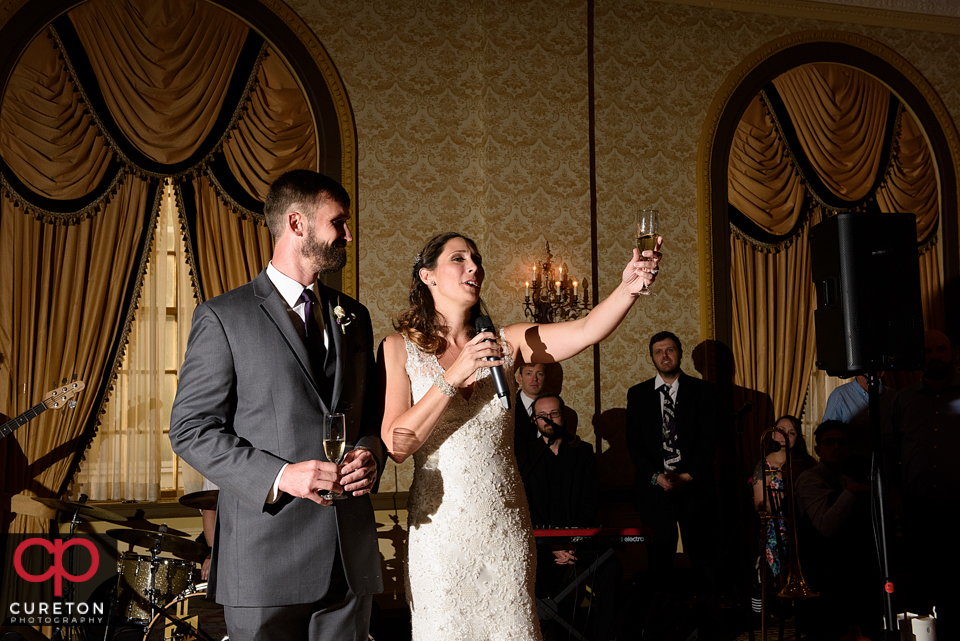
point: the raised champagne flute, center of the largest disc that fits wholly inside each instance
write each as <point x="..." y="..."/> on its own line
<point x="334" y="445"/>
<point x="647" y="230"/>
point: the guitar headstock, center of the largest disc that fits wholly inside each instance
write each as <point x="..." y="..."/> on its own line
<point x="59" y="397"/>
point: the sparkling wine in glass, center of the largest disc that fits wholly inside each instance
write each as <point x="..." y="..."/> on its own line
<point x="334" y="445"/>
<point x="647" y="230"/>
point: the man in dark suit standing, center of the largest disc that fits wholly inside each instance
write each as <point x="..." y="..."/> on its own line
<point x="672" y="435"/>
<point x="264" y="364"/>
<point x="531" y="378"/>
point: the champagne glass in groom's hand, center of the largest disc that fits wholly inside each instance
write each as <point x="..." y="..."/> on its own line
<point x="334" y="445"/>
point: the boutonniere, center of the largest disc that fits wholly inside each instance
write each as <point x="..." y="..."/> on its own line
<point x="343" y="318"/>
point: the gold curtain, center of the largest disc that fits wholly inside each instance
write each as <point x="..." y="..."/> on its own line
<point x="231" y="249"/>
<point x="773" y="302"/>
<point x="66" y="286"/>
<point x="163" y="69"/>
<point x="762" y="181"/>
<point x="48" y="138"/>
<point x="839" y="117"/>
<point x="274" y="135"/>
<point x="911" y="183"/>
<point x="152" y="87"/>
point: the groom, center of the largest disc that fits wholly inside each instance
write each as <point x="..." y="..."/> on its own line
<point x="264" y="364"/>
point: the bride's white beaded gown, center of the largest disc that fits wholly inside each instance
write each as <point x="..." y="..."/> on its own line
<point x="471" y="557"/>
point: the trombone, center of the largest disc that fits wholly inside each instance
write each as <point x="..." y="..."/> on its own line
<point x="796" y="586"/>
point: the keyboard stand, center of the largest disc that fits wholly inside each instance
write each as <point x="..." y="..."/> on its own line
<point x="548" y="608"/>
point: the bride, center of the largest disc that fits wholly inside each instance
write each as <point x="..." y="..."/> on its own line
<point x="471" y="561"/>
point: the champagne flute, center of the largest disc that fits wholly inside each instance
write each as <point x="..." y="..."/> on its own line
<point x="334" y="445"/>
<point x="647" y="230"/>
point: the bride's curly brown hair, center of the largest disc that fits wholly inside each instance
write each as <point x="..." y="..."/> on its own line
<point x="420" y="322"/>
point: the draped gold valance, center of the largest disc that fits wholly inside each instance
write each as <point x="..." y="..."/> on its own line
<point x="107" y="102"/>
<point x="164" y="75"/>
<point x="832" y="138"/>
<point x="819" y="139"/>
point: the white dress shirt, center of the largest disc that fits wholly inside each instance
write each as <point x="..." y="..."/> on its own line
<point x="658" y="382"/>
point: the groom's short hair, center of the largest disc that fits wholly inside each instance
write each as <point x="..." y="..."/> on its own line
<point x="297" y="188"/>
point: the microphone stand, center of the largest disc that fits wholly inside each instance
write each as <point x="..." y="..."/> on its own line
<point x="744" y="545"/>
<point x="890" y="632"/>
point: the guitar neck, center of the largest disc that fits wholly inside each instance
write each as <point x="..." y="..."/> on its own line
<point x="7" y="428"/>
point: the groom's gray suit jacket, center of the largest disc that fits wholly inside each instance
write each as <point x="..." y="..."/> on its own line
<point x="247" y="403"/>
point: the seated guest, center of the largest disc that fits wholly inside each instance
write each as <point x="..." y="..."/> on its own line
<point x="838" y="555"/>
<point x="560" y="478"/>
<point x="850" y="403"/>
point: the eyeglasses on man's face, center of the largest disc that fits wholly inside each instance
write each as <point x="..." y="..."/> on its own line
<point x="552" y="414"/>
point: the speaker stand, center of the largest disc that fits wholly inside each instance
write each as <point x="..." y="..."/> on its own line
<point x="890" y="632"/>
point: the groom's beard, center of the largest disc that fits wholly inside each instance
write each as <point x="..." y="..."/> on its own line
<point x="326" y="258"/>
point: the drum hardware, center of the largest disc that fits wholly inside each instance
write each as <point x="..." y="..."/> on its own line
<point x="80" y="508"/>
<point x="145" y="583"/>
<point x="76" y="509"/>
<point x="162" y="541"/>
<point x="796" y="586"/>
<point x="203" y="500"/>
<point x="190" y="617"/>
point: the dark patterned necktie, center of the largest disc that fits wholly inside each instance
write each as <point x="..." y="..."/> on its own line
<point x="313" y="337"/>
<point x="671" y="453"/>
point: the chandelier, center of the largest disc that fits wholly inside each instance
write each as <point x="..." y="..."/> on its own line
<point x="552" y="295"/>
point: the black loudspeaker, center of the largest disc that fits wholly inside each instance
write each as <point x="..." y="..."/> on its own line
<point x="869" y="316"/>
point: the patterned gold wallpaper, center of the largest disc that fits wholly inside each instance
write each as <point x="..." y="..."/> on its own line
<point x="473" y="116"/>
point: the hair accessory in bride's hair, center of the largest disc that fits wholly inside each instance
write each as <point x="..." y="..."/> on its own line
<point x="417" y="259"/>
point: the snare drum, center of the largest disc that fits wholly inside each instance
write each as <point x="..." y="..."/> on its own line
<point x="196" y="613"/>
<point x="142" y="577"/>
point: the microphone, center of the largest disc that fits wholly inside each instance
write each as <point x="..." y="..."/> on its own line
<point x="743" y="411"/>
<point x="551" y="423"/>
<point x="484" y="324"/>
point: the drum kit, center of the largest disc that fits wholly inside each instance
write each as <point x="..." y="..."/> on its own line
<point x="156" y="598"/>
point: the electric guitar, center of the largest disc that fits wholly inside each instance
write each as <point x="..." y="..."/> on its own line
<point x="55" y="398"/>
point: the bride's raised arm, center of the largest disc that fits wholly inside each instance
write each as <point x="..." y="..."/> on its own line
<point x="553" y="342"/>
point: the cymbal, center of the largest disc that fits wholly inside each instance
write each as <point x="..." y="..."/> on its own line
<point x="176" y="545"/>
<point x="203" y="500"/>
<point x="143" y="524"/>
<point x="82" y="509"/>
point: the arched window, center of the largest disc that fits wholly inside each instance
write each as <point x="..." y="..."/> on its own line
<point x="103" y="103"/>
<point x="810" y="125"/>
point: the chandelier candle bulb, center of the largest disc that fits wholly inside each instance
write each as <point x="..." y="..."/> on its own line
<point x="552" y="295"/>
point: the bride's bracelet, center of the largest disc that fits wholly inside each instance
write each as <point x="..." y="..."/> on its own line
<point x="445" y="388"/>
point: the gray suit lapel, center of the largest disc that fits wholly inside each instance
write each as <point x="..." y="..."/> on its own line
<point x="337" y="340"/>
<point x="276" y="309"/>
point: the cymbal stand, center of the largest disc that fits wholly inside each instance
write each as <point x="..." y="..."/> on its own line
<point x="152" y="591"/>
<point x="71" y="632"/>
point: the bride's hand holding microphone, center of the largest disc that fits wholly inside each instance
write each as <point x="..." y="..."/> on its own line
<point x="471" y="358"/>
